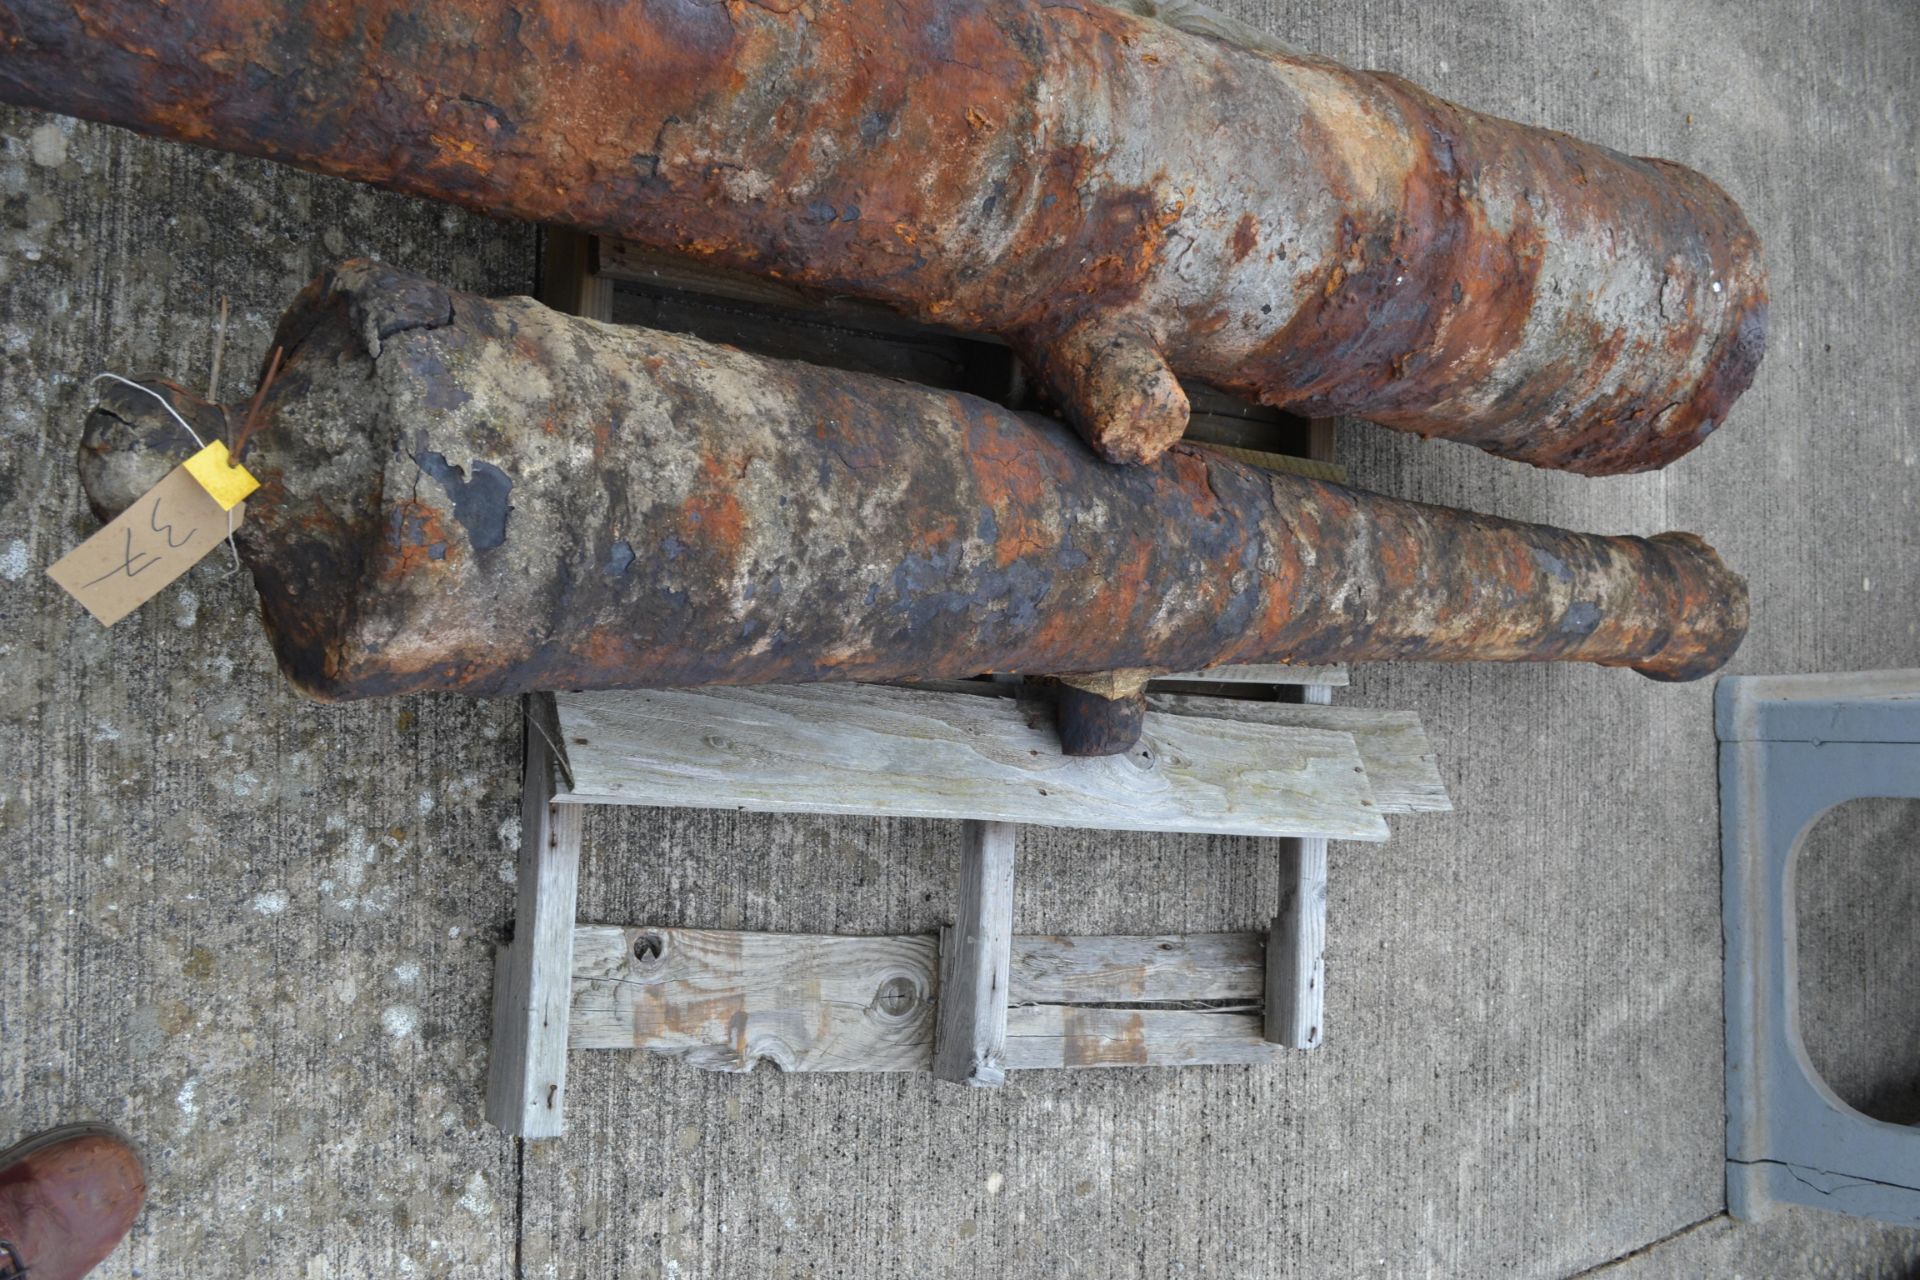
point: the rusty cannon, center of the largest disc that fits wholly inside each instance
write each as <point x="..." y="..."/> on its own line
<point x="1122" y="199"/>
<point x="489" y="497"/>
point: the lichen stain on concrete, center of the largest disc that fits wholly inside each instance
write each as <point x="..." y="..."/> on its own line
<point x="48" y="145"/>
<point x="477" y="1197"/>
<point x="400" y="1020"/>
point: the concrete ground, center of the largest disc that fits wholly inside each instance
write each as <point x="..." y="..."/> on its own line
<point x="255" y="932"/>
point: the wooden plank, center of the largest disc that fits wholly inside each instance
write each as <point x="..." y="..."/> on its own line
<point x="1219" y="419"/>
<point x="1286" y="463"/>
<point x="778" y="319"/>
<point x="1393" y="745"/>
<point x="1296" y="948"/>
<point x="970" y="1030"/>
<point x="1044" y="1036"/>
<point x="533" y="975"/>
<point x="1208" y="401"/>
<point x="1321" y="433"/>
<point x="653" y="269"/>
<point x="871" y="749"/>
<point x="1263" y="673"/>
<point x="569" y="275"/>
<point x="1297" y="936"/>
<point x="931" y="359"/>
<point x="1050" y="969"/>
<point x="727" y="1001"/>
<point x="1272" y="433"/>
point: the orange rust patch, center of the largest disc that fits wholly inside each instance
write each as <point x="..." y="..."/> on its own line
<point x="1017" y="490"/>
<point x="1244" y="237"/>
<point x="607" y="649"/>
<point x="1401" y="563"/>
<point x="414" y="533"/>
<point x="938" y="532"/>
<point x="713" y="512"/>
<point x="1186" y="474"/>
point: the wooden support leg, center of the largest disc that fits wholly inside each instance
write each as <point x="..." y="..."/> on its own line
<point x="970" y="1030"/>
<point x="1297" y="941"/>
<point x="1296" y="945"/>
<point x="533" y="976"/>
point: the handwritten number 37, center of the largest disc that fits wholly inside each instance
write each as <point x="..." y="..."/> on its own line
<point x="146" y="559"/>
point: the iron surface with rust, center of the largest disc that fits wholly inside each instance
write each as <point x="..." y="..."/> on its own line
<point x="489" y="497"/>
<point x="1120" y="198"/>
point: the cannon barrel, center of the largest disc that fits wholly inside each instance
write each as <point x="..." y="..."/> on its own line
<point x="490" y="497"/>
<point x="1119" y="198"/>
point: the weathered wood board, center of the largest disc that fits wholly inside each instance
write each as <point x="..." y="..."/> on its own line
<point x="1051" y="969"/>
<point x="1266" y="673"/>
<point x="1295" y="1015"/>
<point x="870" y="749"/>
<point x="726" y="1001"/>
<point x="729" y="1001"/>
<point x="1297" y="937"/>
<point x="1393" y="746"/>
<point x="1296" y="948"/>
<point x="971" y="1027"/>
<point x="1046" y="1036"/>
<point x="1272" y="461"/>
<point x="532" y="975"/>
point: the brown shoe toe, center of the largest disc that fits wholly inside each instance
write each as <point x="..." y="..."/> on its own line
<point x="67" y="1196"/>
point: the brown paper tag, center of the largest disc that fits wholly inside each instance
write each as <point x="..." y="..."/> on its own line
<point x="145" y="547"/>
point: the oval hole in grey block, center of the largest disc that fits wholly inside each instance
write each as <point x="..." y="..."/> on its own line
<point x="1857" y="896"/>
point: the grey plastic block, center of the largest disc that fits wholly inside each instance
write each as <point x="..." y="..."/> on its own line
<point x="1791" y="748"/>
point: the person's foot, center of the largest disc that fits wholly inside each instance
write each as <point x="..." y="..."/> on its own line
<point x="67" y="1196"/>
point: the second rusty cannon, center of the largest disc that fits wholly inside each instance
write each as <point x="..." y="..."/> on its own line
<point x="1121" y="199"/>
<point x="491" y="497"/>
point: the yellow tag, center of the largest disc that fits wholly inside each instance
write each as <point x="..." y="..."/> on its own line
<point x="227" y="483"/>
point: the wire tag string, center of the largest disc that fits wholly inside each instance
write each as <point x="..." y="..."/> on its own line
<point x="188" y="426"/>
